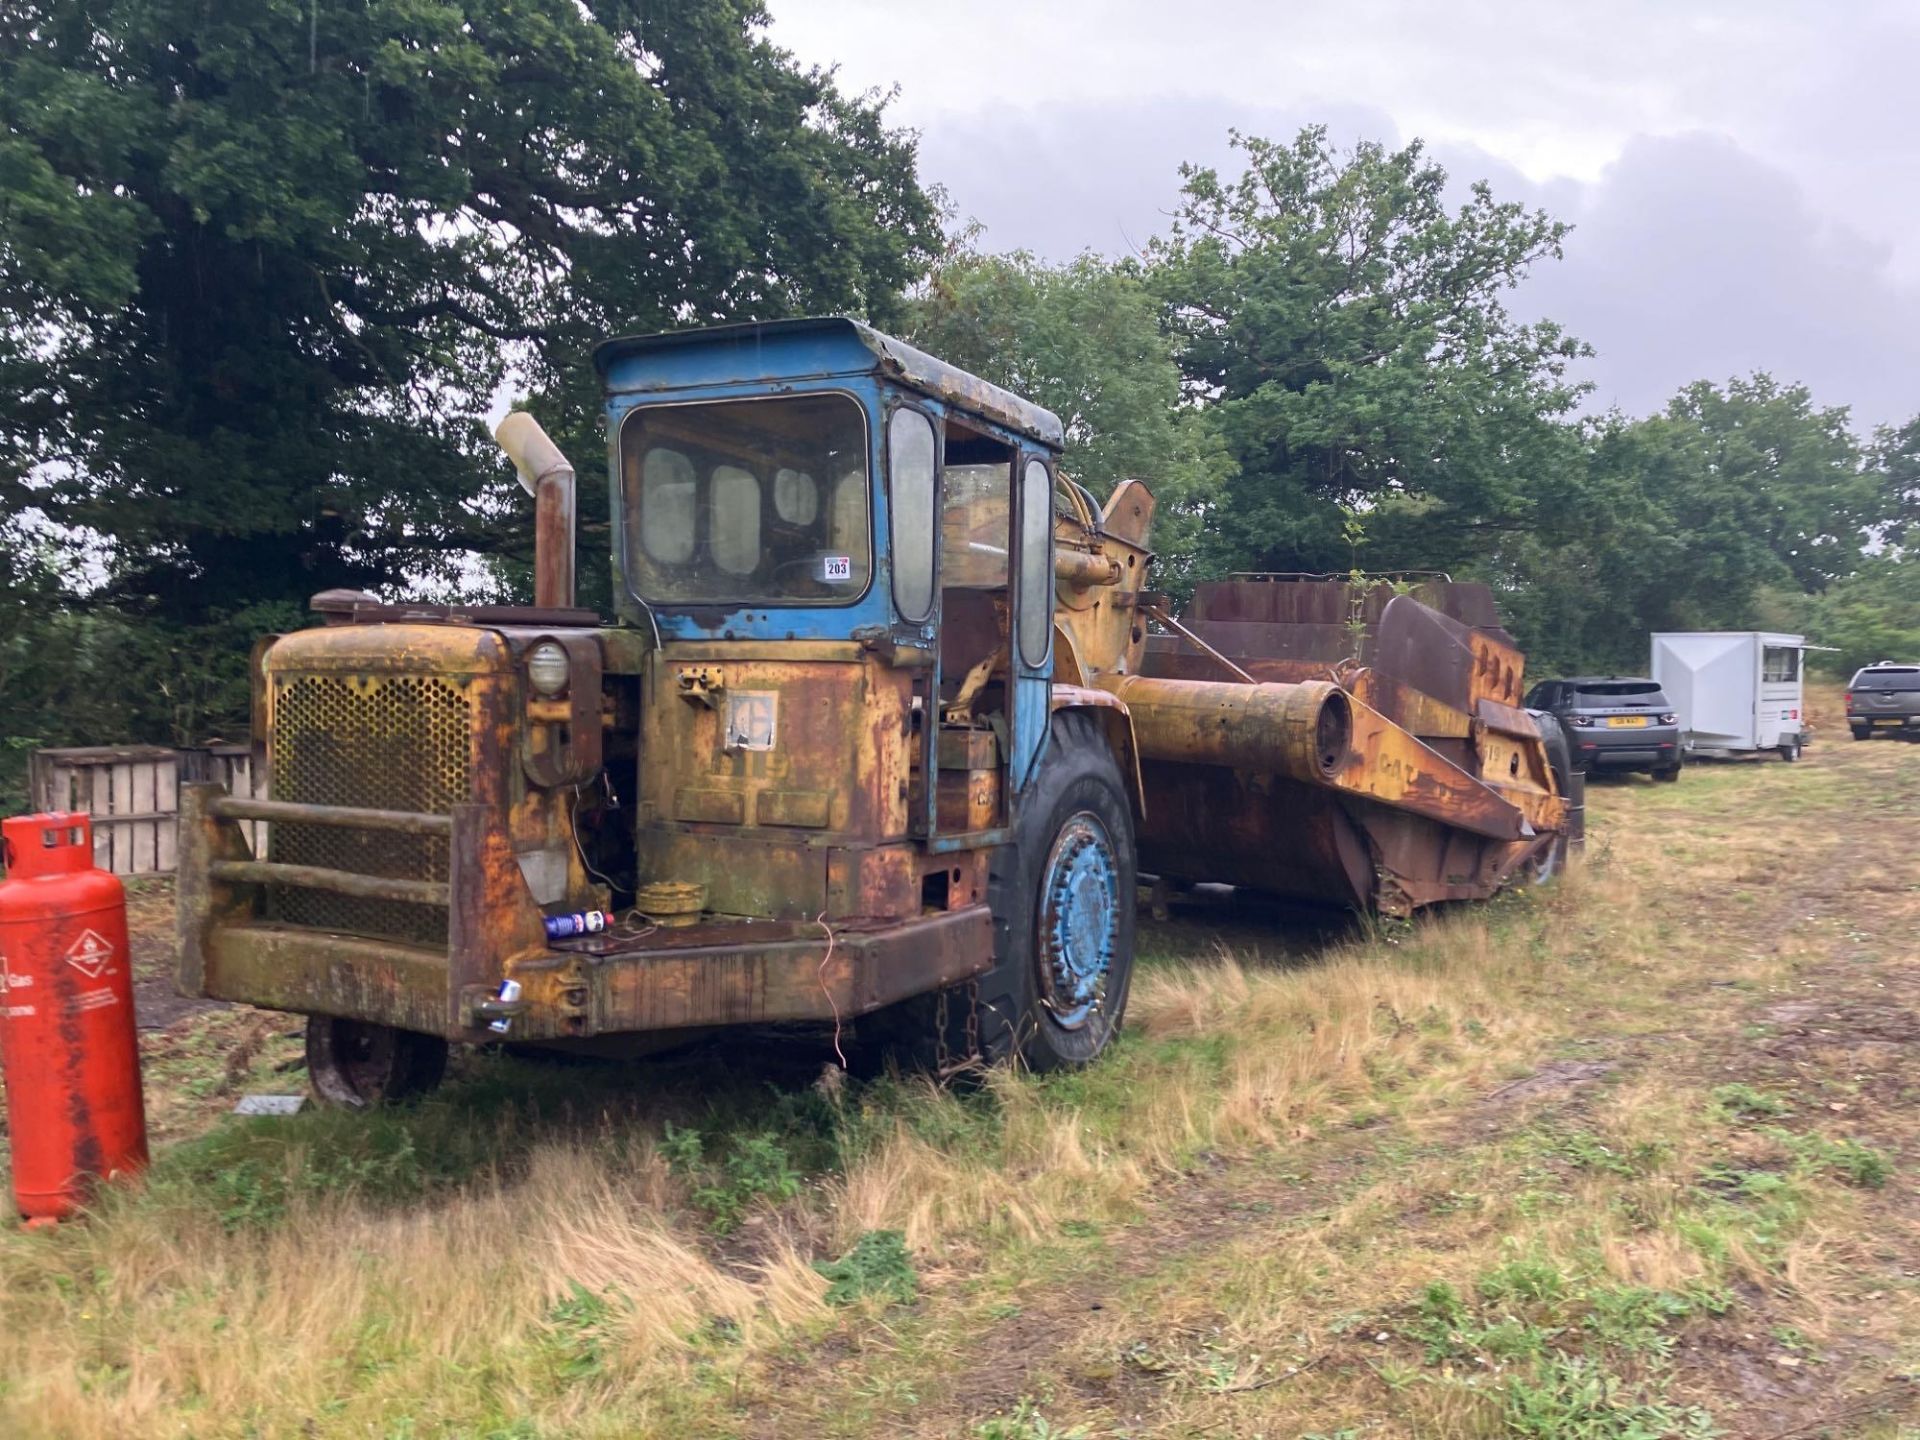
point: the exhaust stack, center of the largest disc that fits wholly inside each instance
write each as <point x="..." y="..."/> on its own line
<point x="547" y="475"/>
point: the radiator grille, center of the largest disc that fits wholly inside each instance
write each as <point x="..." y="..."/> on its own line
<point x="389" y="743"/>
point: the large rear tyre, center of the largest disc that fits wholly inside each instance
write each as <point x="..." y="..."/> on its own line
<point x="1862" y="732"/>
<point x="1667" y="773"/>
<point x="1790" y="751"/>
<point x="358" y="1065"/>
<point x="1063" y="896"/>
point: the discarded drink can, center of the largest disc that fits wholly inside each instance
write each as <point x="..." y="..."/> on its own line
<point x="581" y="922"/>
<point x="509" y="991"/>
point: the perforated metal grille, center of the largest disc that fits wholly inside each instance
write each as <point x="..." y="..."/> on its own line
<point x="386" y="743"/>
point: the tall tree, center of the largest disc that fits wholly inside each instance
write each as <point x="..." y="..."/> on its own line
<point x="1349" y="330"/>
<point x="1774" y="482"/>
<point x="1895" y="461"/>
<point x="265" y="263"/>
<point x="1686" y="519"/>
<point x="1083" y="339"/>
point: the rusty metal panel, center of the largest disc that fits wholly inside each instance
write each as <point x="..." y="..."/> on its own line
<point x="311" y="972"/>
<point x="968" y="800"/>
<point x="1395" y="768"/>
<point x="742" y="980"/>
<point x="881" y="881"/>
<point x="970" y="749"/>
<point x="743" y="720"/>
<point x="747" y="871"/>
<point x="803" y="809"/>
<point x="492" y="920"/>
<point x="1509" y="718"/>
<point x="1215" y="823"/>
<point x="202" y="904"/>
<point x="714" y="807"/>
<point x="1412" y="710"/>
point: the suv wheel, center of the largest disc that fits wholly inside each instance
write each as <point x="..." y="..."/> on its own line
<point x="1862" y="732"/>
<point x="1668" y="773"/>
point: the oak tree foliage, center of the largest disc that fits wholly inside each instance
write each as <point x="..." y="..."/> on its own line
<point x="1346" y="327"/>
<point x="265" y="264"/>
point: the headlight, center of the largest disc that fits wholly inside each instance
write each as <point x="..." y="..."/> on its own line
<point x="547" y="669"/>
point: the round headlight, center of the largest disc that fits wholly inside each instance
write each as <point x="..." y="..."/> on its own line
<point x="547" y="668"/>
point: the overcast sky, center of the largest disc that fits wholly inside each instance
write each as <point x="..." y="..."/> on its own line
<point x="1744" y="178"/>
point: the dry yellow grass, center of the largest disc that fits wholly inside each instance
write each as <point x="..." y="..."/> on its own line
<point x="579" y="1293"/>
<point x="338" y="1316"/>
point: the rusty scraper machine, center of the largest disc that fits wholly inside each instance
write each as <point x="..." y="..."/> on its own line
<point x="886" y="726"/>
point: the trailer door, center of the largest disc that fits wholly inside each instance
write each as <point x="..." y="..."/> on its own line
<point x="1779" y="710"/>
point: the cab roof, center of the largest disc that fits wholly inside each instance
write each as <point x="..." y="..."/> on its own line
<point x="780" y="349"/>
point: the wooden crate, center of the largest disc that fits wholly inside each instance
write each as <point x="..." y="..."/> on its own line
<point x="132" y="793"/>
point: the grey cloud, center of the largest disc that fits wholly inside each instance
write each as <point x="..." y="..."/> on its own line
<point x="1059" y="178"/>
<point x="1691" y="257"/>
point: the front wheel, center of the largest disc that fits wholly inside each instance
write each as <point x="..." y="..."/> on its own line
<point x="357" y="1065"/>
<point x="1063" y="897"/>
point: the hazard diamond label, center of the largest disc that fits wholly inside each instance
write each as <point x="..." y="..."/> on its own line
<point x="90" y="954"/>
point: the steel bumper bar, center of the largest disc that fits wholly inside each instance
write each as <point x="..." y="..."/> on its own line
<point x="576" y="994"/>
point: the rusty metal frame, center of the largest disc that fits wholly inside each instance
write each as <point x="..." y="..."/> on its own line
<point x="713" y="973"/>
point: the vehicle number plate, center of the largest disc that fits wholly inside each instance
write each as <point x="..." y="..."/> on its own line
<point x="1627" y="722"/>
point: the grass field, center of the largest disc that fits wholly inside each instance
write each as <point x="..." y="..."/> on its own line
<point x="1628" y="1157"/>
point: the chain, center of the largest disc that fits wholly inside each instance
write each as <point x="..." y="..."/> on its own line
<point x="944" y="1063"/>
<point x="973" y="1021"/>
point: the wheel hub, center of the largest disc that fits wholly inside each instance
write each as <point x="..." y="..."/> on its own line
<point x="1079" y="920"/>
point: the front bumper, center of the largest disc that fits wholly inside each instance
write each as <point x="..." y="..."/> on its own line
<point x="725" y="972"/>
<point x="1597" y="749"/>
<point x="1891" y="724"/>
<point x="704" y="975"/>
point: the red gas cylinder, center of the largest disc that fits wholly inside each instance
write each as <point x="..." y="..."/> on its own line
<point x="71" y="1057"/>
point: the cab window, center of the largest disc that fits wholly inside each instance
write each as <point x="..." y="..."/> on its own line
<point x="723" y="502"/>
<point x="1036" y="562"/>
<point x="910" y="486"/>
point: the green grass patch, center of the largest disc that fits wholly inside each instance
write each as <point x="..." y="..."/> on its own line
<point x="878" y="1264"/>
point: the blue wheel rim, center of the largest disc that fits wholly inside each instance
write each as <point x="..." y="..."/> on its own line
<point x="1079" y="928"/>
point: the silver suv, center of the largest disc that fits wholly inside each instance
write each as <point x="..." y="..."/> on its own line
<point x="1614" y="722"/>
<point x="1884" y="699"/>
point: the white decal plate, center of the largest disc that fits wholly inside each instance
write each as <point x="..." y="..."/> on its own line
<point x="752" y="719"/>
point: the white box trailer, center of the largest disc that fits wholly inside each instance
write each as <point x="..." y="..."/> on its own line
<point x="1737" y="692"/>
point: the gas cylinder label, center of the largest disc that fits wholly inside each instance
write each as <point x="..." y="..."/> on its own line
<point x="95" y="1000"/>
<point x="90" y="954"/>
